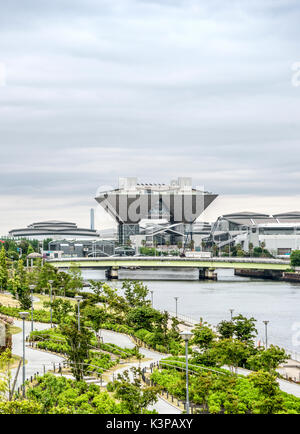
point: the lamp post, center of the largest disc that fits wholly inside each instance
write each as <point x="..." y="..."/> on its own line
<point x="23" y="315"/>
<point x="266" y="332"/>
<point x="186" y="336"/>
<point x="152" y="298"/>
<point x="78" y="298"/>
<point x="50" y="283"/>
<point x="176" y="300"/>
<point x="231" y="312"/>
<point x="31" y="295"/>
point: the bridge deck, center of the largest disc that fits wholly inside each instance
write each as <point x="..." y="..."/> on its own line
<point x="246" y="263"/>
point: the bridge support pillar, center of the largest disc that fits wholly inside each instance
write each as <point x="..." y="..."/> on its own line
<point x="208" y="273"/>
<point x="112" y="273"/>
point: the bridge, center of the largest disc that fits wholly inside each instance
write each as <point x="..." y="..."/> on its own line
<point x="206" y="266"/>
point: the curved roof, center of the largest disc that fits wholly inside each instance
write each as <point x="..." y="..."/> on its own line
<point x="53" y="228"/>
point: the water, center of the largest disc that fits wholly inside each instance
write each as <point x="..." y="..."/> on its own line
<point x="278" y="302"/>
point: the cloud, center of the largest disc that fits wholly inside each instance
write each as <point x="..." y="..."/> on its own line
<point x="97" y="89"/>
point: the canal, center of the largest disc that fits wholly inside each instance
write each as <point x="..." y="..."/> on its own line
<point x="278" y="302"/>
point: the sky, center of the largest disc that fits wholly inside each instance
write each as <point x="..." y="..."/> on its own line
<point x="91" y="90"/>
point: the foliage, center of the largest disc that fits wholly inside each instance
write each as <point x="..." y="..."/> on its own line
<point x="5" y="376"/>
<point x="39" y="315"/>
<point x="267" y="359"/>
<point x="295" y="258"/>
<point x="78" y="345"/>
<point x="3" y="270"/>
<point x="240" y="327"/>
<point x="203" y="336"/>
<point x="59" y="395"/>
<point x="132" y="394"/>
<point x="60" y="308"/>
<point x="18" y="284"/>
<point x="135" y="293"/>
<point x="215" y="393"/>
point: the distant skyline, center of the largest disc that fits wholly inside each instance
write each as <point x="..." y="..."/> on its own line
<point x="91" y="90"/>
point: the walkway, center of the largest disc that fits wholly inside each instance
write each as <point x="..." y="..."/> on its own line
<point x="35" y="359"/>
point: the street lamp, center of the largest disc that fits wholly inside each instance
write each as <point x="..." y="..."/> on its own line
<point x="78" y="298"/>
<point x="186" y="336"/>
<point x="231" y="312"/>
<point x="31" y="287"/>
<point x="23" y="315"/>
<point x="152" y="298"/>
<point x="50" y="282"/>
<point x="266" y="332"/>
<point x="176" y="300"/>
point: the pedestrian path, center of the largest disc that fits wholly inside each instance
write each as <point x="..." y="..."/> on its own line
<point x="36" y="360"/>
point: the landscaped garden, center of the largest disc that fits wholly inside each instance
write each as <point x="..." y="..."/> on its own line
<point x="216" y="354"/>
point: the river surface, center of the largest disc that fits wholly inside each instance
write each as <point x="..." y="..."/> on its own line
<point x="277" y="302"/>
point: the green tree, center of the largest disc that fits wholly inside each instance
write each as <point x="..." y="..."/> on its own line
<point x="134" y="396"/>
<point x="135" y="293"/>
<point x="232" y="352"/>
<point x="143" y="317"/>
<point x="61" y="309"/>
<point x="76" y="282"/>
<point x="267" y="360"/>
<point x="96" y="316"/>
<point x="244" y="328"/>
<point x="270" y="399"/>
<point x="295" y="258"/>
<point x="79" y="343"/>
<point x="226" y="329"/>
<point x="19" y="286"/>
<point x="203" y="336"/>
<point x="3" y="270"/>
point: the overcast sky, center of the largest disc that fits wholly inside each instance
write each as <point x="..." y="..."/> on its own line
<point x="96" y="89"/>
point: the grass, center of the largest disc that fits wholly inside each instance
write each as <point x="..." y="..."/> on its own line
<point x="8" y="300"/>
<point x="42" y="298"/>
<point x="13" y="330"/>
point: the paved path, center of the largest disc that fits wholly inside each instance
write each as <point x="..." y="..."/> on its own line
<point x="36" y="359"/>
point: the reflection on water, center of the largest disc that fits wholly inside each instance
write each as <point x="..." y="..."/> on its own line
<point x="278" y="302"/>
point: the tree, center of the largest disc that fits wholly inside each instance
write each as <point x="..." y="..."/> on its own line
<point x="232" y="352"/>
<point x="79" y="345"/>
<point x="267" y="360"/>
<point x="295" y="258"/>
<point x="134" y="396"/>
<point x="143" y="317"/>
<point x="46" y="272"/>
<point x="61" y="309"/>
<point x="135" y="293"/>
<point x="226" y="329"/>
<point x="270" y="399"/>
<point x="3" y="270"/>
<point x="244" y="328"/>
<point x="5" y="374"/>
<point x="96" y="315"/>
<point x="76" y="282"/>
<point x="203" y="336"/>
<point x="19" y="286"/>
